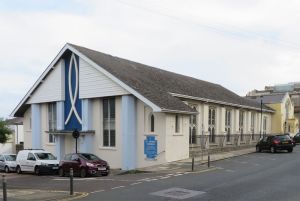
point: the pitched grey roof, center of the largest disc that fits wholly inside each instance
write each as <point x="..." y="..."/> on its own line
<point x="269" y="98"/>
<point x="156" y="84"/>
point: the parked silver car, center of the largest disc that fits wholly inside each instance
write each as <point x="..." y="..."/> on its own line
<point x="8" y="162"/>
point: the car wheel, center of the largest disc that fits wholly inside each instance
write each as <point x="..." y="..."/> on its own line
<point x="258" y="149"/>
<point x="273" y="150"/>
<point x="61" y="172"/>
<point x="290" y="150"/>
<point x="6" y="169"/>
<point x="19" y="171"/>
<point x="37" y="171"/>
<point x="82" y="172"/>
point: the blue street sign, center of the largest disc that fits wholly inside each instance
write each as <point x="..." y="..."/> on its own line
<point x="150" y="147"/>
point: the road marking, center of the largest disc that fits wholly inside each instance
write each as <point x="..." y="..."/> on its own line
<point x="100" y="179"/>
<point x="243" y="162"/>
<point x="136" y="183"/>
<point x="117" y="187"/>
<point x="229" y="170"/>
<point x="145" y="179"/>
<point x="166" y="177"/>
<point x="99" y="191"/>
<point x="176" y="175"/>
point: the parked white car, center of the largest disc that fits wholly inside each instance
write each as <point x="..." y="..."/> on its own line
<point x="8" y="162"/>
<point x="37" y="161"/>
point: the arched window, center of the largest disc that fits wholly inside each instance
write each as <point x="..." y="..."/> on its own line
<point x="152" y="123"/>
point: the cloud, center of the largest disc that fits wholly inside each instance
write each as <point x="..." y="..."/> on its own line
<point x="241" y="45"/>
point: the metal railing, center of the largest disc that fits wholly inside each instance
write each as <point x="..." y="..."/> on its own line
<point x="200" y="143"/>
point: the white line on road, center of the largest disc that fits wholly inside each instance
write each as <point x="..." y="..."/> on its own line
<point x="229" y="170"/>
<point x="99" y="191"/>
<point x="166" y="177"/>
<point x="176" y="175"/>
<point x="136" y="183"/>
<point x="117" y="187"/>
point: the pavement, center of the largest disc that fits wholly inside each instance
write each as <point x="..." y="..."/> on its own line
<point x="200" y="165"/>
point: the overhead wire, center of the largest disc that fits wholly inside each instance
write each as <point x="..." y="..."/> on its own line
<point x="221" y="28"/>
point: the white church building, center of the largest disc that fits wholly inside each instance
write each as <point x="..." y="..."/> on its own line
<point x="130" y="114"/>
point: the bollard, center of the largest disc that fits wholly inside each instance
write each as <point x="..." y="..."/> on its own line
<point x="193" y="161"/>
<point x="4" y="188"/>
<point x="208" y="160"/>
<point x="71" y="181"/>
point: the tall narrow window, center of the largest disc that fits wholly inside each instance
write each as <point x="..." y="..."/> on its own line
<point x="109" y="118"/>
<point x="51" y="121"/>
<point x="152" y="123"/>
<point x="241" y="125"/>
<point x="265" y="126"/>
<point x="228" y="124"/>
<point x="193" y="126"/>
<point x="252" y="124"/>
<point x="177" y="123"/>
<point x="211" y="124"/>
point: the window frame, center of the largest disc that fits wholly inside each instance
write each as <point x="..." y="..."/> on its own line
<point x="177" y="123"/>
<point x="52" y="121"/>
<point x="108" y="122"/>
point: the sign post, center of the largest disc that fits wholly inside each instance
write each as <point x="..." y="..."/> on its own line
<point x="76" y="135"/>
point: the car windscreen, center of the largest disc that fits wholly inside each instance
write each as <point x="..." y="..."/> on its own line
<point x="45" y="156"/>
<point x="90" y="157"/>
<point x="10" y="157"/>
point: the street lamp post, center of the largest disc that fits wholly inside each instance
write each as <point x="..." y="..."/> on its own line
<point x="261" y="103"/>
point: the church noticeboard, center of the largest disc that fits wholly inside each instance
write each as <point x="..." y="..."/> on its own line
<point x="150" y="147"/>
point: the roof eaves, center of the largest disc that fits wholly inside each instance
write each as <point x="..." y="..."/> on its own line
<point x="155" y="107"/>
<point x="39" y="80"/>
<point x="219" y="102"/>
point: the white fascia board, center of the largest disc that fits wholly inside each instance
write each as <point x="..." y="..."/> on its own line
<point x="112" y="77"/>
<point x="178" y="111"/>
<point x="40" y="79"/>
<point x="82" y="56"/>
<point x="218" y="102"/>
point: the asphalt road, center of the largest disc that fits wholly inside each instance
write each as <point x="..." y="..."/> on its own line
<point x="257" y="176"/>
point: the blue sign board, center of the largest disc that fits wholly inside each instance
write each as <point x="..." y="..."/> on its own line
<point x="150" y="147"/>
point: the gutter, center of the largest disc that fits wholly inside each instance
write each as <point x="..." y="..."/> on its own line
<point x="218" y="102"/>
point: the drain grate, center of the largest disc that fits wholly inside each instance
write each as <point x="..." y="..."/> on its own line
<point x="177" y="193"/>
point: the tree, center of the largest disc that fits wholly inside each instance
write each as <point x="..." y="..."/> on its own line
<point x="5" y="132"/>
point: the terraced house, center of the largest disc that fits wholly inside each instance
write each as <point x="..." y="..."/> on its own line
<point x="131" y="114"/>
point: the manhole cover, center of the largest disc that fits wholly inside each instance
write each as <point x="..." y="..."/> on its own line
<point x="177" y="193"/>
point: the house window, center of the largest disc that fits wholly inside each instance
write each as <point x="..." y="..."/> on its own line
<point x="228" y="124"/>
<point x="152" y="123"/>
<point x="52" y="121"/>
<point x="252" y="124"/>
<point x="193" y="126"/>
<point x="177" y="123"/>
<point x="265" y="126"/>
<point x="109" y="118"/>
<point x="212" y="124"/>
<point x="241" y="125"/>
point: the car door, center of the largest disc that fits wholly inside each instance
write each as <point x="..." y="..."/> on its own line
<point x="30" y="162"/>
<point x="75" y="163"/>
<point x="2" y="162"/>
<point x="269" y="142"/>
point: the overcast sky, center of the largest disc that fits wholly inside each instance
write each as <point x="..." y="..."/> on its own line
<point x="242" y="45"/>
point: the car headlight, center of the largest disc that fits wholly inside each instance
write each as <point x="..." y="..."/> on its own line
<point x="90" y="164"/>
<point x="44" y="164"/>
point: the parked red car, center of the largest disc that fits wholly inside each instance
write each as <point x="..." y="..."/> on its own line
<point x="83" y="164"/>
